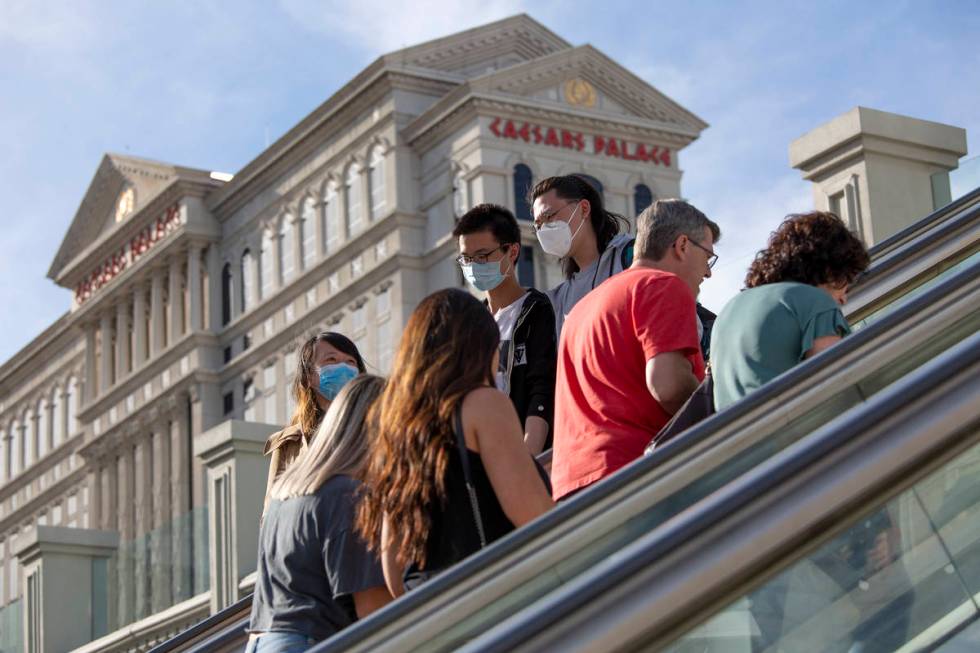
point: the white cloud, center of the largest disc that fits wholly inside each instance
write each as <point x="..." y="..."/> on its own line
<point x="382" y="26"/>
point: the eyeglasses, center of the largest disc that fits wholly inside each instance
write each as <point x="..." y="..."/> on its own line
<point x="712" y="257"/>
<point x="548" y="217"/>
<point x="465" y="259"/>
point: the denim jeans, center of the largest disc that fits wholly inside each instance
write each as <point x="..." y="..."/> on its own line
<point x="279" y="642"/>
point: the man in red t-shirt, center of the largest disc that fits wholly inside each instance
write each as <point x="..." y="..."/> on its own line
<point x="629" y="354"/>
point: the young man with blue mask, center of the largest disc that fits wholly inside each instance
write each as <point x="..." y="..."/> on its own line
<point x="489" y="240"/>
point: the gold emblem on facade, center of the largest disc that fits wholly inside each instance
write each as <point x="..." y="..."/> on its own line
<point x="125" y="204"/>
<point x="580" y="93"/>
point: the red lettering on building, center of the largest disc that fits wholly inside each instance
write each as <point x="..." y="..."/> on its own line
<point x="128" y="254"/>
<point x="571" y="140"/>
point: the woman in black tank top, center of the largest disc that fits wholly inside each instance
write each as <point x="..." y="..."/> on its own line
<point x="448" y="472"/>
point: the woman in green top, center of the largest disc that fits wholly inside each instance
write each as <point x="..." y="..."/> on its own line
<point x="791" y="308"/>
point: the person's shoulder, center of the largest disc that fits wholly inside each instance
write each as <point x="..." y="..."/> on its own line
<point x="805" y="294"/>
<point x="621" y="240"/>
<point x="292" y="433"/>
<point x="484" y="401"/>
<point x="537" y="301"/>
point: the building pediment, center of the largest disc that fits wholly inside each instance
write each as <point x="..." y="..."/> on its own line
<point x="585" y="79"/>
<point x="483" y="49"/>
<point x="121" y="187"/>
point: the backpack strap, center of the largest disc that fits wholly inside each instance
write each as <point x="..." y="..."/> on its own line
<point x="467" y="474"/>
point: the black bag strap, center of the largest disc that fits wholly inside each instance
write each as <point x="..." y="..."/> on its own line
<point x="467" y="475"/>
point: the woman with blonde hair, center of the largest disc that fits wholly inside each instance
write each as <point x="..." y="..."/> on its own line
<point x="326" y="362"/>
<point x="315" y="575"/>
<point x="449" y="472"/>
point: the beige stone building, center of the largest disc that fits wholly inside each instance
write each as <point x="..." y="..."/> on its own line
<point x="121" y="424"/>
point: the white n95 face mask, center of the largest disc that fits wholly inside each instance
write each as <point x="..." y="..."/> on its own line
<point x="556" y="236"/>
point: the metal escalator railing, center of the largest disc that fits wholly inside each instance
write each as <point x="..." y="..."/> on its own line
<point x="206" y="629"/>
<point x="720" y="551"/>
<point x="912" y="264"/>
<point x="545" y="554"/>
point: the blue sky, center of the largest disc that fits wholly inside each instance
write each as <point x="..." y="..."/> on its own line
<point x="209" y="84"/>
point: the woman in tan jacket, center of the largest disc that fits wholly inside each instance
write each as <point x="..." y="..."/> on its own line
<point x="326" y="362"/>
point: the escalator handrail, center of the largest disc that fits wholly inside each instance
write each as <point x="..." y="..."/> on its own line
<point x="909" y="233"/>
<point x="684" y="531"/>
<point x="898" y="254"/>
<point x="204" y="626"/>
<point x="642" y="467"/>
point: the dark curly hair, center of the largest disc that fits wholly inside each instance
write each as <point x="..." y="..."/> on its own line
<point x="813" y="248"/>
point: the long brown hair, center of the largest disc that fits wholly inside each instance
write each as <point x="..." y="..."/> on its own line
<point x="341" y="442"/>
<point x="446" y="351"/>
<point x="308" y="413"/>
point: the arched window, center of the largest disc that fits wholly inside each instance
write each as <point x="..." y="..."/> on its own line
<point x="42" y="428"/>
<point x="459" y="194"/>
<point x="595" y="183"/>
<point x="226" y="294"/>
<point x="265" y="265"/>
<point x="642" y="198"/>
<point x="71" y="403"/>
<point x="353" y="193"/>
<point x="522" y="186"/>
<point x="245" y="270"/>
<point x="331" y="215"/>
<point x="308" y="232"/>
<point x="287" y="250"/>
<point x="377" y="181"/>
<point x="58" y="415"/>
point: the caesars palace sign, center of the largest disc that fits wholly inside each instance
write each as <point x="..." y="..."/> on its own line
<point x="128" y="254"/>
<point x="618" y="148"/>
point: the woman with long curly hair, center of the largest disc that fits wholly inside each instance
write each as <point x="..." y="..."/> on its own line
<point x="327" y="361"/>
<point x="448" y="471"/>
<point x="791" y="308"/>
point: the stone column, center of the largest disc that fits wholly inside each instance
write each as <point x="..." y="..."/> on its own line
<point x="143" y="495"/>
<point x="176" y="295"/>
<point x="122" y="340"/>
<point x="105" y="352"/>
<point x="214" y="288"/>
<point x="65" y="569"/>
<point x="194" y="287"/>
<point x="94" y="481"/>
<point x="35" y="443"/>
<point x="49" y="423"/>
<point x="139" y="325"/>
<point x="235" y="299"/>
<point x="25" y="447"/>
<point x="255" y="246"/>
<point x="161" y="559"/>
<point x="320" y="218"/>
<point x="90" y="364"/>
<point x="298" y="256"/>
<point x="110" y="522"/>
<point x="232" y="454"/>
<point x="124" y="516"/>
<point x="180" y="500"/>
<point x="158" y="322"/>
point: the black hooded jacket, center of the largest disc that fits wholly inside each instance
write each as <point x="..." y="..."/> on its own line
<point x="532" y="359"/>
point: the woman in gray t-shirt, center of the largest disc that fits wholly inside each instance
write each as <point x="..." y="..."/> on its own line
<point x="315" y="574"/>
<point x="573" y="224"/>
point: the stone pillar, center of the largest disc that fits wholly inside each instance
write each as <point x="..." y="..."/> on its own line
<point x="255" y="247"/>
<point x="298" y="256"/>
<point x="180" y="500"/>
<point x="214" y="288"/>
<point x="235" y="299"/>
<point x="49" y="423"/>
<point x="65" y="598"/>
<point x="94" y="481"/>
<point x="109" y="521"/>
<point x="236" y="471"/>
<point x="161" y="559"/>
<point x="35" y="442"/>
<point x="881" y="172"/>
<point x="175" y="293"/>
<point x="122" y="340"/>
<point x="158" y="321"/>
<point x="124" y="517"/>
<point x="194" y="287"/>
<point x="320" y="220"/>
<point x="139" y="325"/>
<point x="143" y="495"/>
<point x="105" y="353"/>
<point x="90" y="364"/>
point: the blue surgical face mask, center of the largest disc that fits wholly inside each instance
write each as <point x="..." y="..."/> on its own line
<point x="484" y="276"/>
<point x="334" y="377"/>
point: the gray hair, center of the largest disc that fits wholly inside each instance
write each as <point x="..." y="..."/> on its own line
<point x="340" y="445"/>
<point x="663" y="221"/>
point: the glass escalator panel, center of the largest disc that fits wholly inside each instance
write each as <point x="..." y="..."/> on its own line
<point x="905" y="577"/>
<point x="851" y="393"/>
